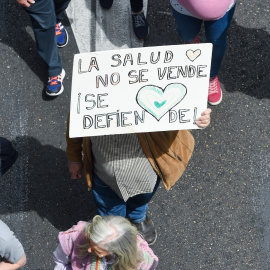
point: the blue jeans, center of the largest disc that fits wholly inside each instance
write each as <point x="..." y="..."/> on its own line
<point x="44" y="14"/>
<point x="215" y="33"/>
<point x="108" y="202"/>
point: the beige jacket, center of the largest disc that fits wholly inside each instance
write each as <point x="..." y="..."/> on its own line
<point x="167" y="151"/>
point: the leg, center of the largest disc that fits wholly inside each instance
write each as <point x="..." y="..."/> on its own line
<point x="60" y="30"/>
<point x="136" y="211"/>
<point x="139" y="22"/>
<point x="107" y="201"/>
<point x="60" y="7"/>
<point x="106" y="4"/>
<point x="138" y="205"/>
<point x="136" y="5"/>
<point x="188" y="27"/>
<point x="43" y="20"/>
<point x="216" y="33"/>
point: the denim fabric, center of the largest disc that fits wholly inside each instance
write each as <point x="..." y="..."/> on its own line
<point x="44" y="14"/>
<point x="215" y="32"/>
<point x="108" y="202"/>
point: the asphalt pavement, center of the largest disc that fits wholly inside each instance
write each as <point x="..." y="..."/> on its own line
<point x="217" y="216"/>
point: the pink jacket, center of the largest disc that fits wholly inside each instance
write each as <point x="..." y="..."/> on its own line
<point x="75" y="235"/>
<point x="207" y="9"/>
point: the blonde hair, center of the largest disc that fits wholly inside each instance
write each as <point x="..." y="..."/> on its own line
<point x="116" y="235"/>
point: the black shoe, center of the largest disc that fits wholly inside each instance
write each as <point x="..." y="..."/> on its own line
<point x="106" y="4"/>
<point x="148" y="230"/>
<point x="140" y="25"/>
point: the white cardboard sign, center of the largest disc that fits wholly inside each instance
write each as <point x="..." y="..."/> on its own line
<point x="139" y="90"/>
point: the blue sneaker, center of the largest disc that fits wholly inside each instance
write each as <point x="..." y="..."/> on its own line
<point x="55" y="85"/>
<point x="61" y="35"/>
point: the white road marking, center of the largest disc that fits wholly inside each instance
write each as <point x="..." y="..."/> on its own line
<point x="96" y="29"/>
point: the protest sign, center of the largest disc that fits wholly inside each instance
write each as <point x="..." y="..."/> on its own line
<point x="139" y="90"/>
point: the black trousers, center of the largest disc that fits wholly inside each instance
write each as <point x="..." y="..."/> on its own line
<point x="44" y="15"/>
<point x="136" y="5"/>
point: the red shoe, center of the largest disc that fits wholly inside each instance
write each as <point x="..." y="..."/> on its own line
<point x="214" y="91"/>
<point x="193" y="41"/>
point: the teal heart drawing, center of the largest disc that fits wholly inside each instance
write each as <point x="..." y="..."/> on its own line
<point x="158" y="105"/>
<point x="157" y="101"/>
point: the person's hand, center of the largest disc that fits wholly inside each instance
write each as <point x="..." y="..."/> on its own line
<point x="75" y="170"/>
<point x="5" y="264"/>
<point x="25" y="3"/>
<point x="204" y="120"/>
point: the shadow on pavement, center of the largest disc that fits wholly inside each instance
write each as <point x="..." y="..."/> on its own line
<point x="39" y="181"/>
<point x="246" y="63"/>
<point x="16" y="32"/>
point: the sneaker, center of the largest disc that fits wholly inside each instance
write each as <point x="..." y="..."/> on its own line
<point x="193" y="41"/>
<point x="140" y="25"/>
<point x="147" y="229"/>
<point x="55" y="85"/>
<point x="106" y="4"/>
<point x="214" y="91"/>
<point x="61" y="35"/>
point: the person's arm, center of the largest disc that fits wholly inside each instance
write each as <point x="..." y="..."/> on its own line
<point x="204" y="120"/>
<point x="61" y="260"/>
<point x="12" y="251"/>
<point x="25" y="3"/>
<point x="6" y="265"/>
<point x="75" y="169"/>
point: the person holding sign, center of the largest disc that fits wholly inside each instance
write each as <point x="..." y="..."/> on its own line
<point x="46" y="16"/>
<point x="139" y="22"/>
<point x="124" y="170"/>
<point x="217" y="16"/>
<point x="109" y="242"/>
